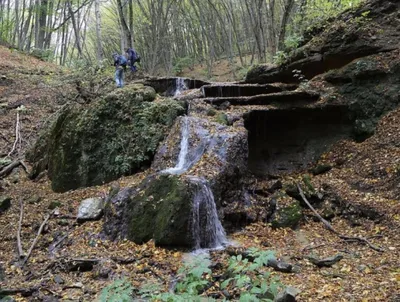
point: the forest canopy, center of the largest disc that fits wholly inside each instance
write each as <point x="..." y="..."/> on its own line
<point x="169" y="35"/>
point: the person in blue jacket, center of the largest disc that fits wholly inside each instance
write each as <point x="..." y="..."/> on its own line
<point x="133" y="57"/>
<point x="120" y="66"/>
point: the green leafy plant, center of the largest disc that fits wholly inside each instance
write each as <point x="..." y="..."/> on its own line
<point x="255" y="285"/>
<point x="119" y="291"/>
<point x="280" y="57"/>
<point x="247" y="273"/>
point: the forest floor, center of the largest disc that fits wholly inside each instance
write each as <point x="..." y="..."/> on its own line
<point x="368" y="176"/>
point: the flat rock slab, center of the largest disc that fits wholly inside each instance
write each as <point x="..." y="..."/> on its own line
<point x="238" y="90"/>
<point x="288" y="98"/>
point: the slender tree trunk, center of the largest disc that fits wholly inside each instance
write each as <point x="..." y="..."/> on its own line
<point x="99" y="43"/>
<point x="76" y="29"/>
<point x="285" y="18"/>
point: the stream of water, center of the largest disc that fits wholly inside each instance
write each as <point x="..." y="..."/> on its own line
<point x="207" y="230"/>
<point x="180" y="86"/>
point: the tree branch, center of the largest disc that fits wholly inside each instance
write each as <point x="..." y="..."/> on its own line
<point x="330" y="228"/>
<point x="37" y="238"/>
<point x="21" y="215"/>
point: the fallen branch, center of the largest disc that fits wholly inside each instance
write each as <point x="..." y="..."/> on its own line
<point x="8" y="169"/>
<point x="330" y="228"/>
<point x="23" y="164"/>
<point x="23" y="291"/>
<point x="17" y="136"/>
<point x="21" y="215"/>
<point x="37" y="238"/>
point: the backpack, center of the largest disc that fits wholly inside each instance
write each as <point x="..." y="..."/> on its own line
<point x="122" y="61"/>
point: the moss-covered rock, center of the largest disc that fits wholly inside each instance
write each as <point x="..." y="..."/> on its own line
<point x="160" y="208"/>
<point x="115" y="135"/>
<point x="5" y="203"/>
<point x="161" y="211"/>
<point x="287" y="216"/>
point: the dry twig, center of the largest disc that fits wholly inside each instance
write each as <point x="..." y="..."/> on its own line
<point x="17" y="136"/>
<point x="8" y="169"/>
<point x="21" y="215"/>
<point x="36" y="238"/>
<point x="330" y="228"/>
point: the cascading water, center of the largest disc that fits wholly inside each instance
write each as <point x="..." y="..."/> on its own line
<point x="188" y="156"/>
<point x="180" y="86"/>
<point x="207" y="229"/>
<point x="180" y="166"/>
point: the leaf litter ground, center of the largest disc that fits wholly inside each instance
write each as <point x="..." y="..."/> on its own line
<point x="365" y="174"/>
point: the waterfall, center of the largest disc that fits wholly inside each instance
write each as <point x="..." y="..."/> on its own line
<point x="188" y="157"/>
<point x="180" y="86"/>
<point x="180" y="166"/>
<point x="207" y="229"/>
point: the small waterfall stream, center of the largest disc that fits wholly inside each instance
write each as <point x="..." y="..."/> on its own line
<point x="180" y="166"/>
<point x="180" y="86"/>
<point x="206" y="227"/>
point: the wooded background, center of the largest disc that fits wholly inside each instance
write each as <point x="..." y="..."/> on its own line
<point x="169" y="34"/>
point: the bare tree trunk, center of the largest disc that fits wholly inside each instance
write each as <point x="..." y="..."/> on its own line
<point x="285" y="18"/>
<point x="126" y="37"/>
<point x="76" y="29"/>
<point x="99" y="49"/>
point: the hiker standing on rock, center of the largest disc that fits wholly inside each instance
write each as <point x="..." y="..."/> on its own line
<point x="120" y="66"/>
<point x="133" y="57"/>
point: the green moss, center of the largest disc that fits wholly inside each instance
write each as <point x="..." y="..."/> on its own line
<point x="288" y="216"/>
<point x="113" y="136"/>
<point x="161" y="212"/>
<point x="221" y="118"/>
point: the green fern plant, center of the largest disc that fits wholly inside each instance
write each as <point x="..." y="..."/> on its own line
<point x="119" y="291"/>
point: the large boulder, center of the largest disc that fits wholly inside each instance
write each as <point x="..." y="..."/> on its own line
<point x="158" y="209"/>
<point x="216" y="152"/>
<point x="161" y="208"/>
<point x="112" y="136"/>
<point x="369" y="29"/>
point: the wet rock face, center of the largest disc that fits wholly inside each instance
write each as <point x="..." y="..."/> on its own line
<point x="370" y="29"/>
<point x="235" y="90"/>
<point x="216" y="152"/>
<point x="115" y="135"/>
<point x="283" y="141"/>
<point x="168" y="86"/>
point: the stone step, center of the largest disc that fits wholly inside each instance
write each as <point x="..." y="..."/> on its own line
<point x="168" y="85"/>
<point x="238" y="89"/>
<point x="284" y="97"/>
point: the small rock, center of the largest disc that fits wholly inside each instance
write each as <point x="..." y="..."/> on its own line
<point x="321" y="169"/>
<point x="5" y="203"/>
<point x="225" y="105"/>
<point x="288" y="295"/>
<point x="280" y="266"/>
<point x="362" y="267"/>
<point x="90" y="209"/>
<point x="276" y="186"/>
<point x="328" y="262"/>
<point x="287" y="216"/>
<point x="63" y="222"/>
<point x="34" y="199"/>
<point x="58" y="279"/>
